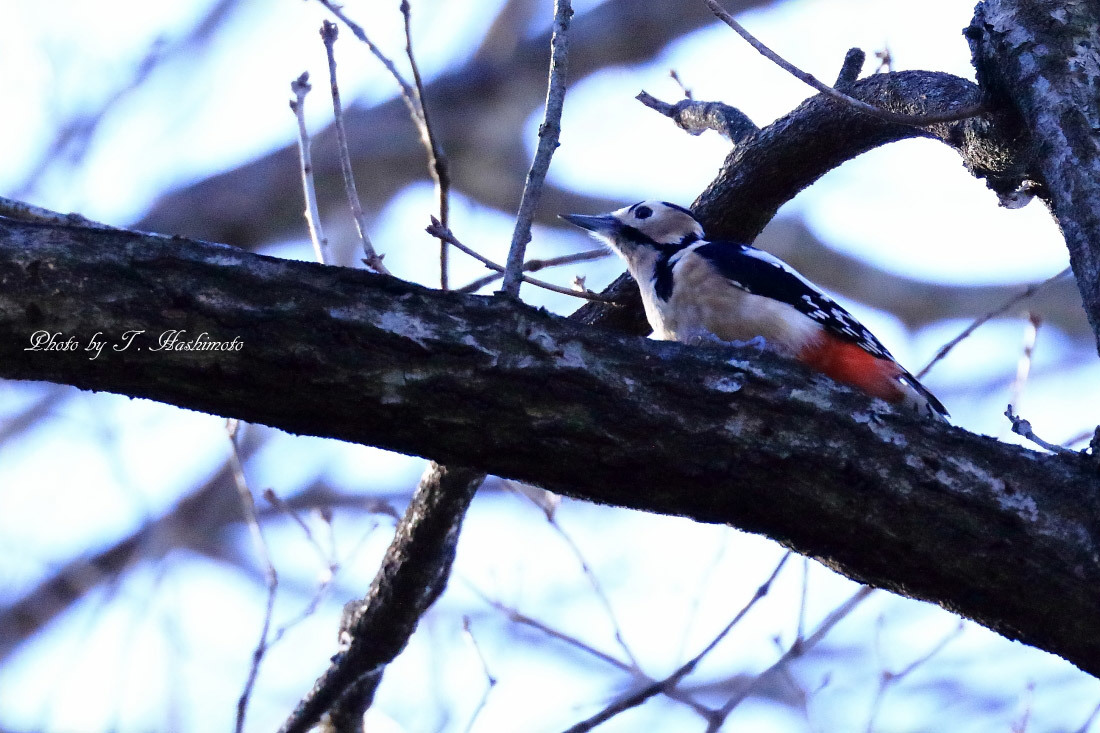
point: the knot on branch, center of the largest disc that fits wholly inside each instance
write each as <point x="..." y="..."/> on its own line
<point x="698" y="117"/>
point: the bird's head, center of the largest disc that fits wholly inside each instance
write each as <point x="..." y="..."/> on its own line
<point x="646" y="224"/>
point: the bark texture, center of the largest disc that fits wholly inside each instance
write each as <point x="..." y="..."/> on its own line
<point x="769" y="168"/>
<point x="1040" y="61"/>
<point x="998" y="533"/>
<point x="413" y="574"/>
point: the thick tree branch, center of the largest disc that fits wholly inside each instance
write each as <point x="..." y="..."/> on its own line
<point x="1040" y="60"/>
<point x="770" y="168"/>
<point x="730" y="437"/>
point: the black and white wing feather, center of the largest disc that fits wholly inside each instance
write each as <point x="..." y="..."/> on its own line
<point x="759" y="273"/>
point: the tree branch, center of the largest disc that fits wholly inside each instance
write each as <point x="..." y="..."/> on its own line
<point x="954" y="518"/>
<point x="413" y="574"/>
<point x="788" y="155"/>
<point x="478" y="114"/>
<point x="549" y="132"/>
<point x="1038" y="61"/>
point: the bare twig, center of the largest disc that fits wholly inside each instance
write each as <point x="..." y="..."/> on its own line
<point x="408" y="94"/>
<point x="490" y="680"/>
<point x="1022" y="428"/>
<point x="798" y="649"/>
<point x="248" y="509"/>
<point x="328" y="577"/>
<point x="72" y="138"/>
<point x="301" y="88"/>
<point x="1023" y="366"/>
<point x="697" y="597"/>
<point x="1029" y="291"/>
<point x="412" y="575"/>
<point x="23" y="211"/>
<point x="438" y="230"/>
<point x="885" y="60"/>
<point x="901" y="119"/>
<point x="329" y="32"/>
<point x="549" y="131"/>
<point x="888" y="679"/>
<point x="680" y="83"/>
<point x="670" y="682"/>
<point x="1087" y="725"/>
<point x="850" y="69"/>
<point x="1020" y="726"/>
<point x="590" y="575"/>
<point x="516" y="616"/>
<point x="276" y="501"/>
<point x="521" y="618"/>
<point x="800" y="629"/>
<point x="697" y="117"/>
<point x="534" y="265"/>
<point x="438" y="168"/>
<point x="1090" y="435"/>
<point x="413" y="96"/>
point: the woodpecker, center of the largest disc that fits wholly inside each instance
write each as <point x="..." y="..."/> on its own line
<point x="695" y="290"/>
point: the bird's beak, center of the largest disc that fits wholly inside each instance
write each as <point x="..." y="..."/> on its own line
<point x="603" y="224"/>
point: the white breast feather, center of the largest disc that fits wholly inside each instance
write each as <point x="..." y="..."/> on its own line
<point x="704" y="305"/>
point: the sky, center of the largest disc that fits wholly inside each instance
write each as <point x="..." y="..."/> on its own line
<point x="168" y="647"/>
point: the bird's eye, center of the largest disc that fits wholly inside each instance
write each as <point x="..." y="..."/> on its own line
<point x="643" y="212"/>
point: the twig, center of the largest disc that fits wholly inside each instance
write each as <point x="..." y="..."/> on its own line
<point x="73" y="137"/>
<point x="850" y="69"/>
<point x="798" y="649"/>
<point x="597" y="587"/>
<point x="412" y="575"/>
<point x="1022" y="428"/>
<point x="490" y="680"/>
<point x="535" y="265"/>
<point x="1029" y="291"/>
<point x="438" y="230"/>
<point x="800" y="629"/>
<point x="516" y="616"/>
<point x="882" y="114"/>
<point x="438" y="168"/>
<point x="1090" y="435"/>
<point x="408" y="94"/>
<point x="274" y="500"/>
<point x="589" y="574"/>
<point x="1020" y="726"/>
<point x="885" y="60"/>
<point x="301" y="88"/>
<point x="1087" y="725"/>
<point x="248" y="509"/>
<point x="697" y="117"/>
<point x="413" y="96"/>
<point x="549" y="131"/>
<point x="639" y="697"/>
<point x="323" y="588"/>
<point x="697" y="597"/>
<point x="23" y="211"/>
<point x="889" y="679"/>
<point x="680" y="83"/>
<point x="329" y="32"/>
<point x="1023" y="365"/>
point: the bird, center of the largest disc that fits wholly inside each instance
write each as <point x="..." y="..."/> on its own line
<point x="697" y="291"/>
